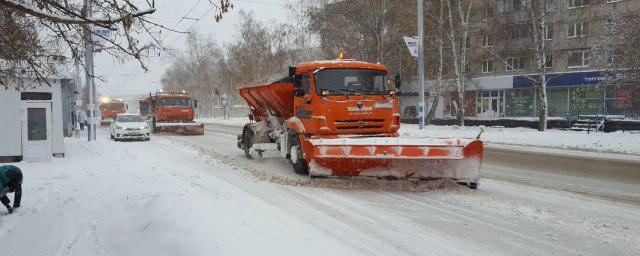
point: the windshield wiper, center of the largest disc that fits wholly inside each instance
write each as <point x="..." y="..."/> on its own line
<point x="352" y="90"/>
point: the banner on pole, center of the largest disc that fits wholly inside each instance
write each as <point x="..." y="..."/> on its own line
<point x="99" y="35"/>
<point x="412" y="44"/>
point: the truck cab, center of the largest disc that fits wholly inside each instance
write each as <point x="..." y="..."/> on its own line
<point x="173" y="107"/>
<point x="345" y="97"/>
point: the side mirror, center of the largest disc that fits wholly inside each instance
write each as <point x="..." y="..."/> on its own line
<point x="195" y="103"/>
<point x="398" y="82"/>
<point x="292" y="71"/>
<point x="298" y="92"/>
<point x="126" y="106"/>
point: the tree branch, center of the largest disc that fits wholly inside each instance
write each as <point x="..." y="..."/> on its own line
<point x="67" y="19"/>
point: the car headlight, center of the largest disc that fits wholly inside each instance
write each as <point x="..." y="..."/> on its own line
<point x="144" y="127"/>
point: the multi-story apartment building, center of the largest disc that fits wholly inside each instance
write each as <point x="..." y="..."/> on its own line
<point x="581" y="80"/>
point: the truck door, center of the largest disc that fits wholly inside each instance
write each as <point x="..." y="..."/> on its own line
<point x="302" y="104"/>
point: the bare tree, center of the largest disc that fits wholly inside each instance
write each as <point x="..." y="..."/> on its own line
<point x="538" y="11"/>
<point x="459" y="50"/>
<point x="437" y="91"/>
<point x="55" y="30"/>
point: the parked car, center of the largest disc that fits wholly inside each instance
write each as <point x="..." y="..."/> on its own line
<point x="129" y="127"/>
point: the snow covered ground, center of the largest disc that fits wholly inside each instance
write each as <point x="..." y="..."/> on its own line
<point x="197" y="195"/>
<point x="615" y="142"/>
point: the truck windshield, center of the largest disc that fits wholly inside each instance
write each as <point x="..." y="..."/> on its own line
<point x="113" y="106"/>
<point x="351" y="81"/>
<point x="175" y="102"/>
<point x="130" y="119"/>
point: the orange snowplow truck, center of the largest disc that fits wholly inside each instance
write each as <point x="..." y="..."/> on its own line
<point x="171" y="112"/>
<point x="109" y="109"/>
<point x="340" y="118"/>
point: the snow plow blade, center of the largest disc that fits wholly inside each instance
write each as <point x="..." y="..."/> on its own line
<point x="402" y="158"/>
<point x="180" y="128"/>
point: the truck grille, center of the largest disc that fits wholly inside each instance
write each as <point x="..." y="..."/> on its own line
<point x="359" y="124"/>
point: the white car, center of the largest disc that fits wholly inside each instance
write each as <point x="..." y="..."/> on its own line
<point x="130" y="126"/>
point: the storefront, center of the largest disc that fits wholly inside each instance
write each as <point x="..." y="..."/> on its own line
<point x="568" y="96"/>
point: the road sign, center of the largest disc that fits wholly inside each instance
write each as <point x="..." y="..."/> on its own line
<point x="412" y="44"/>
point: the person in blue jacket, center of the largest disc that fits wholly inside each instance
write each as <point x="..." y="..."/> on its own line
<point x="10" y="182"/>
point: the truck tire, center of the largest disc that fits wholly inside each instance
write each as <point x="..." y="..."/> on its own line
<point x="296" y="157"/>
<point x="247" y="142"/>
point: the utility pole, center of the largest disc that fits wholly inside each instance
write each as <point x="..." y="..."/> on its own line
<point x="421" y="61"/>
<point x="78" y="107"/>
<point x="89" y="82"/>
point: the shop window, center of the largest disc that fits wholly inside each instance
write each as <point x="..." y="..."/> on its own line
<point x="557" y="102"/>
<point x="586" y="101"/>
<point x="519" y="103"/>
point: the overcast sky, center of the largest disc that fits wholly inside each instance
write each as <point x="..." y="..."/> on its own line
<point x="129" y="79"/>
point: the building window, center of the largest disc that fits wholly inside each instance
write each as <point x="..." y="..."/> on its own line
<point x="578" y="59"/>
<point x="486" y="41"/>
<point x="504" y="5"/>
<point x="486" y="12"/>
<point x="487" y="66"/>
<point x="550" y="5"/>
<point x="548" y="32"/>
<point x="578" y="29"/>
<point x="610" y="57"/>
<point x="514" y="63"/>
<point x="548" y="63"/>
<point x="578" y="3"/>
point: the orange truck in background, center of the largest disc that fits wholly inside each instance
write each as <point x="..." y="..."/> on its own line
<point x="340" y="118"/>
<point x="171" y="112"/>
<point x="109" y="109"/>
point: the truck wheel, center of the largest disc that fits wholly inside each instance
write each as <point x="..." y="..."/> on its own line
<point x="296" y="157"/>
<point x="247" y="142"/>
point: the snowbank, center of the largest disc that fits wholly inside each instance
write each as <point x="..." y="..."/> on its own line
<point x="616" y="142"/>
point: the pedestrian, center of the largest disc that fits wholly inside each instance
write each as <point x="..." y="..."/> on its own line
<point x="10" y="182"/>
<point x="82" y="119"/>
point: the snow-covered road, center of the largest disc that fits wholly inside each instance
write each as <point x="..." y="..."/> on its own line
<point x="199" y="196"/>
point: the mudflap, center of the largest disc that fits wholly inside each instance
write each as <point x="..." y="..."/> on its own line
<point x="397" y="158"/>
<point x="189" y="129"/>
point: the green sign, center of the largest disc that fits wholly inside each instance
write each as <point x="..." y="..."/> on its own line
<point x="586" y="101"/>
<point x="520" y="102"/>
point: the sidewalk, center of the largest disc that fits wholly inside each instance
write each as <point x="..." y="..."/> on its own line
<point x="531" y="139"/>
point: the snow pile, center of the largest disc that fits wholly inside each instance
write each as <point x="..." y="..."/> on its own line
<point x="615" y="142"/>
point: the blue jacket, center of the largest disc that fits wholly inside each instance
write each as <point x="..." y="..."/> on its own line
<point x="4" y="179"/>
